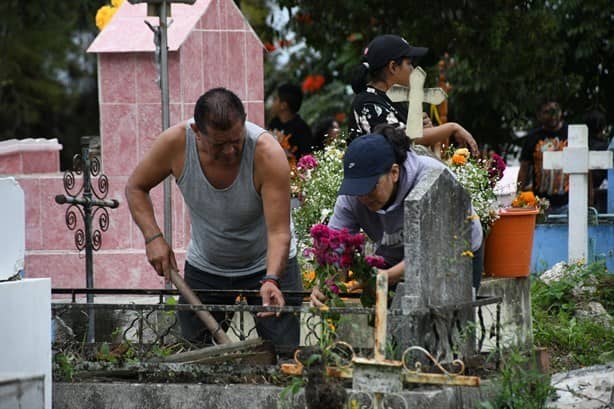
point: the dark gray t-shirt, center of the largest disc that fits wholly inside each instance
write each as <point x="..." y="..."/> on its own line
<point x="228" y="231"/>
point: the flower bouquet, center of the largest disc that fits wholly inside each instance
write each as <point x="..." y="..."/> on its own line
<point x="338" y="257"/>
<point x="315" y="182"/>
<point x="478" y="177"/>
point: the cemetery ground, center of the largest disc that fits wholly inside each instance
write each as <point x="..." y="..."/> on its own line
<point x="564" y="325"/>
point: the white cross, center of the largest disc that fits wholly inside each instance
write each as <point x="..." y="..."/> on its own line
<point x="577" y="160"/>
<point x="416" y="94"/>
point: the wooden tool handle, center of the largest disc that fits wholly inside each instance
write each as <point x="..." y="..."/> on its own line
<point x="205" y="316"/>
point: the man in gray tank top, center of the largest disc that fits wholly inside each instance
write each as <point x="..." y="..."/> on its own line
<point x="234" y="178"/>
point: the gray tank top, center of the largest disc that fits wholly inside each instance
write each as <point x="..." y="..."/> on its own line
<point x="229" y="236"/>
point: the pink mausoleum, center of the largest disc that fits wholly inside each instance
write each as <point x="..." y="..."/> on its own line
<point x="210" y="45"/>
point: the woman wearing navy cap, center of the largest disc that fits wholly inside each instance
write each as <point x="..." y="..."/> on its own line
<point x="379" y="171"/>
<point x="388" y="60"/>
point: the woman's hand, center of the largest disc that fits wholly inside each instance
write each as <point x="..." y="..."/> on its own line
<point x="317" y="298"/>
<point x="465" y="139"/>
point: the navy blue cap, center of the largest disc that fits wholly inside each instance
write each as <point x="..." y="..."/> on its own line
<point x="389" y="47"/>
<point x="366" y="159"/>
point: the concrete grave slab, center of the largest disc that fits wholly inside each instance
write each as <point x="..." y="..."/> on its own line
<point x="13" y="231"/>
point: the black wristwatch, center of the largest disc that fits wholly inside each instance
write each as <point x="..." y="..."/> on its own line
<point x="273" y="279"/>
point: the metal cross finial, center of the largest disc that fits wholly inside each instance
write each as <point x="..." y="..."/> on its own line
<point x="90" y="206"/>
<point x="416" y="94"/>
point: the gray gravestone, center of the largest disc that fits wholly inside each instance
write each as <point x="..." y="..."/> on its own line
<point x="437" y="275"/>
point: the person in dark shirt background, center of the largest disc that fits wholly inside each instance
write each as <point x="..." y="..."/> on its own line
<point x="325" y="131"/>
<point x="285" y="119"/>
<point x="597" y="124"/>
<point x="551" y="135"/>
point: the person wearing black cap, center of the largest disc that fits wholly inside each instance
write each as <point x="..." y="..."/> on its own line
<point x="379" y="171"/>
<point x="388" y="60"/>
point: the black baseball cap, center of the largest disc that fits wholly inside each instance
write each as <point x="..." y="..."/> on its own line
<point x="389" y="47"/>
<point x="366" y="159"/>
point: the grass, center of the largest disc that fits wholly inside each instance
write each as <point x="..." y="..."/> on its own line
<point x="573" y="340"/>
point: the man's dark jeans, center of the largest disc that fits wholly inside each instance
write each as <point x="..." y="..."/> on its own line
<point x="283" y="331"/>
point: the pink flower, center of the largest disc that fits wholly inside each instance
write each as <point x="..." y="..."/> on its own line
<point x="347" y="260"/>
<point x="331" y="258"/>
<point x="375" y="261"/>
<point x="332" y="286"/>
<point x="496" y="169"/>
<point x="307" y="162"/>
<point x="319" y="230"/>
<point x="335" y="243"/>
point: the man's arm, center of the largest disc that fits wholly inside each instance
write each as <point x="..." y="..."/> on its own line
<point x="523" y="181"/>
<point x="155" y="166"/>
<point x="273" y="178"/>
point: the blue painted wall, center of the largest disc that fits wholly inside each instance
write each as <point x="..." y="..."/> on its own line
<point x="550" y="245"/>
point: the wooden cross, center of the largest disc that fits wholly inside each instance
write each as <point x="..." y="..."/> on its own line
<point x="416" y="94"/>
<point x="577" y="160"/>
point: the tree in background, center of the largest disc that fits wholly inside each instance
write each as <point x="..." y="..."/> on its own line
<point x="506" y="54"/>
<point x="47" y="82"/>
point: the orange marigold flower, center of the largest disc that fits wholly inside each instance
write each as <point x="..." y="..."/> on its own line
<point x="516" y="202"/>
<point x="529" y="198"/>
<point x="459" y="159"/>
<point x="525" y="199"/>
<point x="463" y="152"/>
<point x="309" y="276"/>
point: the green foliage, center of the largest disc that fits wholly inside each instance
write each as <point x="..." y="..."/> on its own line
<point x="506" y="54"/>
<point x="573" y="340"/>
<point x="47" y="81"/>
<point x="330" y="100"/>
<point x="65" y="365"/>
<point x="522" y="386"/>
<point x="291" y="390"/>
